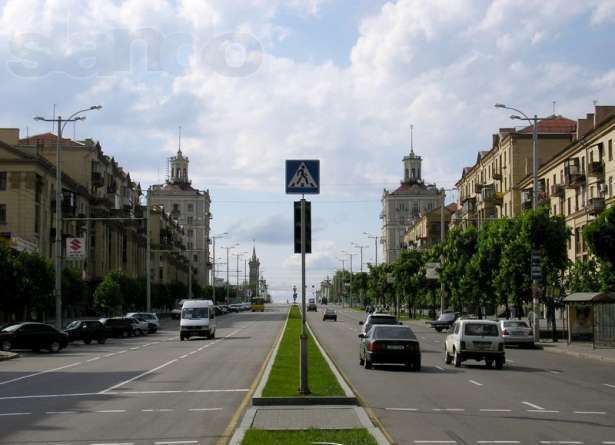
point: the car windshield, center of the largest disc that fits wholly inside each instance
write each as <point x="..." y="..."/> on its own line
<point x="515" y="324"/>
<point x="195" y="313"/>
<point x="12" y="328"/>
<point x="73" y="324"/>
<point x="481" y="329"/>
<point x="382" y="320"/>
<point x="399" y="333"/>
<point x="447" y="316"/>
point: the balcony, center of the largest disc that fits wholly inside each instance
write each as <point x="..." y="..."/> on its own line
<point x="595" y="169"/>
<point x="499" y="198"/>
<point x="497" y="175"/>
<point x="595" y="206"/>
<point x="573" y="175"/>
<point x="98" y="179"/>
<point x="543" y="198"/>
<point x="469" y="206"/>
<point x="488" y="194"/>
<point x="558" y="191"/>
<point x="526" y="199"/>
<point x="478" y="188"/>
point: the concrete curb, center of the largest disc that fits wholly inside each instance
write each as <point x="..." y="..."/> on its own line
<point x="577" y="354"/>
<point x="7" y="356"/>
<point x="305" y="401"/>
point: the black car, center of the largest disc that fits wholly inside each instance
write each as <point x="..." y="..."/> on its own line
<point x="444" y="321"/>
<point x="118" y="326"/>
<point x="34" y="336"/>
<point x="390" y="344"/>
<point x="86" y="331"/>
<point x="329" y="314"/>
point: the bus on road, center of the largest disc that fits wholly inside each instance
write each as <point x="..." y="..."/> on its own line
<point x="258" y="304"/>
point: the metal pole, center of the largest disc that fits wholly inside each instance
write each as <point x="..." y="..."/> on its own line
<point x="534" y="202"/>
<point x="361" y="248"/>
<point x="148" y="254"/>
<point x="189" y="276"/>
<point x="228" y="288"/>
<point x="245" y="276"/>
<point x="376" y="249"/>
<point x="213" y="280"/>
<point x="58" y="240"/>
<point x="303" y="388"/>
<point x="350" y="281"/>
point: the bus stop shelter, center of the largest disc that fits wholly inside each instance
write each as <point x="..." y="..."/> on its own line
<point x="591" y="316"/>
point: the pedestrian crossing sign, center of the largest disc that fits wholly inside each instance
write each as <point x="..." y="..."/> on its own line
<point x="303" y="176"/>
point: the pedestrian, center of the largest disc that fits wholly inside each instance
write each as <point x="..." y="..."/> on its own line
<point x="530" y="318"/>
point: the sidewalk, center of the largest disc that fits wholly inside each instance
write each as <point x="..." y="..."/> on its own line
<point x="583" y="350"/>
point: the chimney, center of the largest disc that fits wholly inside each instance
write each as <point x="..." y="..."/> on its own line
<point x="602" y="113"/>
<point x="584" y="126"/>
<point x="9" y="136"/>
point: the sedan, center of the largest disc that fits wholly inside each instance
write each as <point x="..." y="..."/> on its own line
<point x="34" y="336"/>
<point x="329" y="314"/>
<point x="86" y="330"/>
<point x="390" y="344"/>
<point x="517" y="332"/>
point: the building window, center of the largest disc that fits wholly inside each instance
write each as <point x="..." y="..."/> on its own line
<point x="577" y="241"/>
<point x="175" y="208"/>
<point x="37" y="218"/>
<point x="2" y="181"/>
<point x="2" y="213"/>
<point x="190" y="220"/>
<point x="191" y="207"/>
<point x="190" y="232"/>
<point x="569" y="207"/>
<point x="195" y="258"/>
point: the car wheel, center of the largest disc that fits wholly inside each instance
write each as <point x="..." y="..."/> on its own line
<point x="87" y="341"/>
<point x="489" y="363"/>
<point x="499" y="363"/>
<point x="456" y="358"/>
<point x="181" y="338"/>
<point x="439" y="329"/>
<point x="102" y="340"/>
<point x="448" y="359"/>
<point x="5" y="345"/>
<point x="55" y="346"/>
<point x="361" y="361"/>
<point x="335" y="319"/>
<point x="213" y="334"/>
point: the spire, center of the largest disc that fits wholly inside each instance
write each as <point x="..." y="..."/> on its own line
<point x="254" y="250"/>
<point x="411" y="139"/>
<point x="179" y="142"/>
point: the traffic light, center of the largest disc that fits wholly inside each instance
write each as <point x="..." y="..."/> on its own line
<point x="308" y="226"/>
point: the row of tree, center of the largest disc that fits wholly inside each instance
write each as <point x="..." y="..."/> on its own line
<point x="487" y="270"/>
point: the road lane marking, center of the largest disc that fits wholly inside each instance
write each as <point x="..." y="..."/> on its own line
<point x="448" y="409"/>
<point x="553" y="371"/>
<point x="39" y="373"/>
<point x="158" y="410"/>
<point x="205" y="409"/>
<point x="15" y="414"/>
<point x="440" y="368"/>
<point x="113" y="443"/>
<point x="488" y="410"/>
<point x="542" y="411"/>
<point x="435" y="441"/>
<point x="93" y="359"/>
<point x="135" y="348"/>
<point x="560" y="442"/>
<point x="60" y="412"/>
<point x="590" y="412"/>
<point x="184" y="356"/>
<point x="109" y="355"/>
<point x="176" y="442"/>
<point x="143" y="374"/>
<point x="112" y="393"/>
<point x="474" y="382"/>
<point x="532" y="405"/>
<point x="499" y="441"/>
<point x="610" y="386"/>
<point x="111" y="411"/>
<point x="401" y="409"/>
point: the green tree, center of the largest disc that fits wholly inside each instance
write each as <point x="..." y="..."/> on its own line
<point x="457" y="251"/>
<point x="9" y="299"/>
<point x="35" y="283"/>
<point x="409" y="274"/>
<point x="74" y="289"/>
<point x="108" y="294"/>
<point x="583" y="276"/>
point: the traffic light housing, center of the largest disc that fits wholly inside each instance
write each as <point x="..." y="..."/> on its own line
<point x="308" y="226"/>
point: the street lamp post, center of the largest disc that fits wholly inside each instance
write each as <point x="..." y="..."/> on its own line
<point x="534" y="122"/>
<point x="228" y="288"/>
<point x="213" y="266"/>
<point x="58" y="238"/>
<point x="375" y="238"/>
<point x="358" y="246"/>
<point x="350" y="255"/>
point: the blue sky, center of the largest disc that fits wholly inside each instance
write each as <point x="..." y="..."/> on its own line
<point x="255" y="82"/>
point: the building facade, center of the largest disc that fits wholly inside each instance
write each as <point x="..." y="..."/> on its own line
<point x="191" y="208"/>
<point x="425" y="232"/>
<point x="405" y="204"/>
<point x="490" y="188"/>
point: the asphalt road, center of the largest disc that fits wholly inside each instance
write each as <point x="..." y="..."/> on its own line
<point x="538" y="398"/>
<point x="144" y="390"/>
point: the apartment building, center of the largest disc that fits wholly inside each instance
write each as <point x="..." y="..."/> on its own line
<point x="489" y="189"/>
<point x="577" y="183"/>
<point x="425" y="232"/>
<point x="168" y="262"/>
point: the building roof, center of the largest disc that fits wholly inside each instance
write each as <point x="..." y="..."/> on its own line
<point x="591" y="297"/>
<point x="407" y="188"/>
<point x="554" y="124"/>
<point x="49" y="139"/>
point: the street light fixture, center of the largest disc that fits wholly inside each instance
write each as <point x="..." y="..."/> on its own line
<point x="228" y="289"/>
<point x="213" y="266"/>
<point x="58" y="238"/>
<point x="360" y="247"/>
<point x="375" y="238"/>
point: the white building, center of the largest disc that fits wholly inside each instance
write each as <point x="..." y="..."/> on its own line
<point x="190" y="207"/>
<point x="407" y="202"/>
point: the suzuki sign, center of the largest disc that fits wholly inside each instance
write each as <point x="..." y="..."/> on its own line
<point x="75" y="248"/>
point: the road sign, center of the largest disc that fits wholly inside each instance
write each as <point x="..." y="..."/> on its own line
<point x="303" y="177"/>
<point x="308" y="226"/>
<point x="75" y="248"/>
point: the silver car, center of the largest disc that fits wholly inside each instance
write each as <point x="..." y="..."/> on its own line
<point x="517" y="332"/>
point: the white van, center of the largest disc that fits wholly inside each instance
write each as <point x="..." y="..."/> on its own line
<point x="198" y="319"/>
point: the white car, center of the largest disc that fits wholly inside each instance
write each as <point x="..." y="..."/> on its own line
<point x="475" y="340"/>
<point x="153" y="323"/>
<point x="139" y="327"/>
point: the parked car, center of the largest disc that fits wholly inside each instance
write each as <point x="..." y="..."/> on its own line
<point x="139" y="327"/>
<point x="198" y="319"/>
<point x="118" y="326"/>
<point x="444" y="321"/>
<point x="390" y="344"/>
<point x="153" y="323"/>
<point x="234" y="307"/>
<point x="34" y="336"/>
<point x="378" y="318"/>
<point x="329" y="314"/>
<point x="86" y="331"/>
<point x="475" y="340"/>
<point x="311" y="306"/>
<point x="517" y="332"/>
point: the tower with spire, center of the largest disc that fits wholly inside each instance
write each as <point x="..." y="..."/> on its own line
<point x="254" y="264"/>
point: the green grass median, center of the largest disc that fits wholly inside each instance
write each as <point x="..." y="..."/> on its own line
<point x="284" y="378"/>
<point x="308" y="437"/>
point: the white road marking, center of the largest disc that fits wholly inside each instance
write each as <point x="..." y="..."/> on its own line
<point x="560" y="442"/>
<point x="111" y="411"/>
<point x="510" y="361"/>
<point x="113" y="443"/>
<point x="184" y="356"/>
<point x="177" y="442"/>
<point x="532" y="405"/>
<point x="440" y="368"/>
<point x="121" y="352"/>
<point x="498" y="441"/>
<point x="553" y="371"/>
<point x="158" y="410"/>
<point x="205" y="409"/>
<point x="401" y="409"/>
<point x="16" y="379"/>
<point x="15" y="414"/>
<point x="608" y="443"/>
<point x="542" y="411"/>
<point x="135" y="348"/>
<point x="109" y="355"/>
<point x="93" y="359"/>
<point x="590" y="412"/>
<point x="143" y="374"/>
<point x="474" y="382"/>
<point x="610" y="386"/>
<point x="448" y="409"/>
<point x="435" y="441"/>
<point x="60" y="412"/>
<point x="192" y="352"/>
<point x="111" y="393"/>
<point x="487" y="410"/>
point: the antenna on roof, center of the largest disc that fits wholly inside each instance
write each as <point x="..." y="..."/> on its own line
<point x="554" y="102"/>
<point x="179" y="138"/>
<point x="54" y="115"/>
<point x="411" y="138"/>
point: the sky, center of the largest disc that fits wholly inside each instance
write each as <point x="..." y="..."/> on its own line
<point x="255" y="82"/>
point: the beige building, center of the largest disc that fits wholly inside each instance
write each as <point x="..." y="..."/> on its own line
<point x="490" y="188"/>
<point x="425" y="231"/>
<point x="404" y="204"/>
<point x="577" y="183"/>
<point x="167" y="245"/>
<point x="191" y="207"/>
